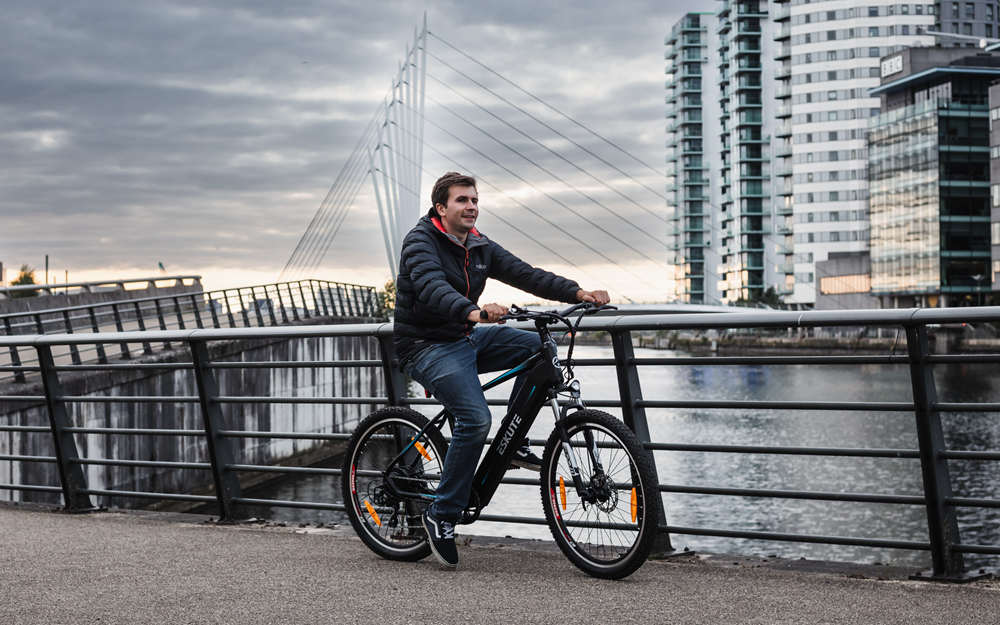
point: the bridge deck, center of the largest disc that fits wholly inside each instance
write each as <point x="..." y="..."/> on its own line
<point x="141" y="568"/>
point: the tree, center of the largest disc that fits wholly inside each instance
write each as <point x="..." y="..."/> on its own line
<point x="26" y="275"/>
<point x="388" y="297"/>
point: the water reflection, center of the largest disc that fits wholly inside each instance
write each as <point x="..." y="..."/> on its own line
<point x="861" y="429"/>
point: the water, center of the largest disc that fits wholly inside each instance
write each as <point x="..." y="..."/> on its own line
<point x="882" y="383"/>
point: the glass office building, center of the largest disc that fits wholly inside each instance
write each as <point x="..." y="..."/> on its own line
<point x="929" y="178"/>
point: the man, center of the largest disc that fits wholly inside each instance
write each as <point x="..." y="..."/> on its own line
<point x="443" y="268"/>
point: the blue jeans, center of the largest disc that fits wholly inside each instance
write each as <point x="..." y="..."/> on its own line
<point x="449" y="371"/>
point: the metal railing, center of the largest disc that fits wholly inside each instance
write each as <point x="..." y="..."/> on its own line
<point x="252" y="306"/>
<point x="938" y="501"/>
<point x="99" y="285"/>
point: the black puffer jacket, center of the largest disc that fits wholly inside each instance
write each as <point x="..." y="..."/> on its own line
<point x="440" y="281"/>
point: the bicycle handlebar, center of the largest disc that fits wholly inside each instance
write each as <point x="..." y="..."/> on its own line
<point x="523" y="314"/>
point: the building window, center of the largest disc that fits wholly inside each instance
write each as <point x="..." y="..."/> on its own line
<point x="970" y="10"/>
<point x="873" y="52"/>
<point x="831" y="35"/>
<point x="872" y="11"/>
<point x="873" y="31"/>
<point x="954" y="9"/>
<point x="904" y="9"/>
<point x="995" y="233"/>
<point x="967" y="29"/>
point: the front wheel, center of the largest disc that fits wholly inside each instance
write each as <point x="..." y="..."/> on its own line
<point x="608" y="527"/>
<point x="386" y="519"/>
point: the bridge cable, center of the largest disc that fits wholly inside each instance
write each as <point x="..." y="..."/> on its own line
<point x="525" y="181"/>
<point x="497" y="216"/>
<point x="588" y="151"/>
<point x="550" y="150"/>
<point x="561" y="229"/>
<point x="308" y="237"/>
<point x="550" y="173"/>
<point x="321" y="219"/>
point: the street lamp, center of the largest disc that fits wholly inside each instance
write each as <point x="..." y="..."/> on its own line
<point x="978" y="277"/>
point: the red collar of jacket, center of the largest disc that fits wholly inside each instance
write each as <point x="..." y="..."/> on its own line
<point x="437" y="224"/>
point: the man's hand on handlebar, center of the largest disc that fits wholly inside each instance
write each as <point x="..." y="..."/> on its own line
<point x="490" y="313"/>
<point x="594" y="297"/>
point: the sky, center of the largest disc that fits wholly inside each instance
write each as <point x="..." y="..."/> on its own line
<point x="204" y="135"/>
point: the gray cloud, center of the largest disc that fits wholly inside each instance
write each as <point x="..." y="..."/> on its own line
<point x="206" y="134"/>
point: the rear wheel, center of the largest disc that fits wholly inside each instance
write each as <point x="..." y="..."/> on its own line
<point x="609" y="528"/>
<point x="387" y="521"/>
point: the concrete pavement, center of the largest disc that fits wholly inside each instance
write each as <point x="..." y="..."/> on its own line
<point x="152" y="568"/>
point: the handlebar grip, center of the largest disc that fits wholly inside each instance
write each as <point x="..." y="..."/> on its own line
<point x="483" y="315"/>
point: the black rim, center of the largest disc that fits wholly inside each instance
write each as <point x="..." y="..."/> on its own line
<point x="393" y="522"/>
<point x="603" y="531"/>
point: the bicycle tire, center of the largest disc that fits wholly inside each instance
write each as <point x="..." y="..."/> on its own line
<point x="612" y="537"/>
<point x="396" y="532"/>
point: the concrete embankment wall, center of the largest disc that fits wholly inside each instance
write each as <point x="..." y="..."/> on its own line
<point x="279" y="382"/>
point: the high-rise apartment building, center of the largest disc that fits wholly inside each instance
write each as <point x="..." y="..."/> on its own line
<point x="835" y="50"/>
<point x="720" y="122"/>
<point x="768" y="172"/>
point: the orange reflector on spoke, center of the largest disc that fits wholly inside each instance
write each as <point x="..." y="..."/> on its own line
<point x="422" y="450"/>
<point x="378" y="521"/>
<point x="634" y="507"/>
<point x="562" y="492"/>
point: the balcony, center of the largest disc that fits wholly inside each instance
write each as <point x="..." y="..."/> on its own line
<point x="785" y="110"/>
<point x="784" y="53"/>
<point x="785" y="32"/>
<point x="784" y="129"/>
<point x="781" y="12"/>
<point x="783" y="92"/>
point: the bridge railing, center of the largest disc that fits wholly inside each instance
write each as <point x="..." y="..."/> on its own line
<point x="95" y="286"/>
<point x="938" y="501"/>
<point x="251" y="306"/>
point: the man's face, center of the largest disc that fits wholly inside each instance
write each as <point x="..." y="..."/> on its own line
<point x="459" y="216"/>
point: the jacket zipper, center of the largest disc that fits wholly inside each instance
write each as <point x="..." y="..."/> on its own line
<point x="468" y="283"/>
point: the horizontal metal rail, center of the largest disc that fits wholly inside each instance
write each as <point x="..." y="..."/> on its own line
<point x="90" y="287"/>
<point x="252" y="306"/>
<point x="932" y="457"/>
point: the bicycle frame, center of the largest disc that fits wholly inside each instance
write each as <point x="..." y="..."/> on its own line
<point x="543" y="383"/>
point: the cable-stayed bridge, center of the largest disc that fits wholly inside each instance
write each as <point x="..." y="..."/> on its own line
<point x="555" y="188"/>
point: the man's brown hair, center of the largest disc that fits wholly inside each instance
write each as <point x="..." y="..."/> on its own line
<point x="439" y="194"/>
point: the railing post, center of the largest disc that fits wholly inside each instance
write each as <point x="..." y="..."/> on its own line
<point x="281" y="302"/>
<point x="74" y="482"/>
<point x="120" y="328"/>
<point x="942" y="523"/>
<point x="102" y="357"/>
<point x="270" y="307"/>
<point x="197" y="311"/>
<point x="163" y="322"/>
<point x="322" y="298"/>
<point x="302" y="296"/>
<point x="220" y="452"/>
<point x="180" y="313"/>
<point x="229" y="310"/>
<point x="211" y="308"/>
<point x="634" y="415"/>
<point x="73" y="351"/>
<point x="146" y="347"/>
<point x="395" y="381"/>
<point x="291" y="298"/>
<point x="243" y="309"/>
<point x="15" y="357"/>
<point x="256" y="306"/>
<point x="340" y="300"/>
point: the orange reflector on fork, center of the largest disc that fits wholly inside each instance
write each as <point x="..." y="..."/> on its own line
<point x="378" y="521"/>
<point x="562" y="492"/>
<point x="633" y="506"/>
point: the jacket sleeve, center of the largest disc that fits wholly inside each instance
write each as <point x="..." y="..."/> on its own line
<point x="421" y="261"/>
<point x="511" y="270"/>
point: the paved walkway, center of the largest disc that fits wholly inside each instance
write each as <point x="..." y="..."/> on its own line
<point x="140" y="568"/>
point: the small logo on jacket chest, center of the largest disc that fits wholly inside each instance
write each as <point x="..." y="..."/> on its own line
<point x="479" y="267"/>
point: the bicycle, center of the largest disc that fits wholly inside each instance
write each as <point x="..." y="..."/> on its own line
<point x="598" y="485"/>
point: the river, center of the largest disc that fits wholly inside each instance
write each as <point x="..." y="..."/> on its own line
<point x="876" y="383"/>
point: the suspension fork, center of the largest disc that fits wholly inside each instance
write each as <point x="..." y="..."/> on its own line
<point x="571" y="459"/>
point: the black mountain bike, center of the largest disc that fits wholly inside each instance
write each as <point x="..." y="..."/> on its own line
<point x="598" y="485"/>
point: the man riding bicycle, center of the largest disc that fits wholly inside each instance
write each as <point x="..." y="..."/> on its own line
<point x="443" y="267"/>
